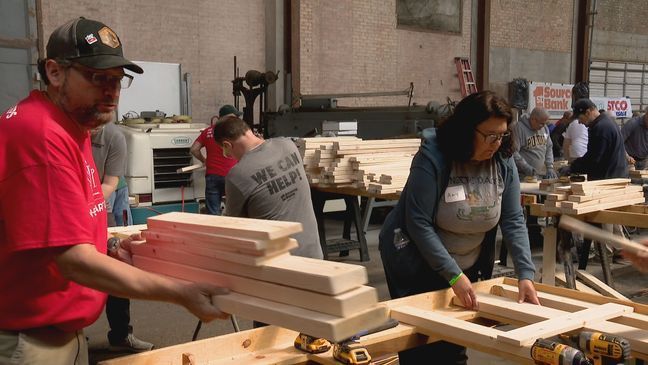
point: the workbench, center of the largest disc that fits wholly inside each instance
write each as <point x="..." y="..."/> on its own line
<point x="355" y="214"/>
<point x="430" y="317"/>
<point x="634" y="216"/>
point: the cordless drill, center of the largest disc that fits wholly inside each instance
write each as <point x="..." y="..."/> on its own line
<point x="602" y="348"/>
<point x="546" y="352"/>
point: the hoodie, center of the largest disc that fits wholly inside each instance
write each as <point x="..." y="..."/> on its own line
<point x="416" y="211"/>
<point x="533" y="149"/>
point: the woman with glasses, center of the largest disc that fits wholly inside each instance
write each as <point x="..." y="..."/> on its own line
<point x="462" y="184"/>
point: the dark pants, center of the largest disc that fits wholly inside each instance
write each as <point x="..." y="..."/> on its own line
<point x="424" y="279"/>
<point x="118" y="314"/>
<point x="214" y="192"/>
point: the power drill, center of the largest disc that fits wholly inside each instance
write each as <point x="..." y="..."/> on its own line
<point x="602" y="348"/>
<point x="546" y="352"/>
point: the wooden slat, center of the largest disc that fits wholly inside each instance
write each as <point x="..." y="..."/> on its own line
<point x="598" y="285"/>
<point x="321" y="276"/>
<point x="602" y="206"/>
<point x="228" y="226"/>
<point x="342" y="305"/>
<point x="595" y="233"/>
<point x="303" y="320"/>
<point x="223" y="243"/>
<point x="219" y="255"/>
<point x="598" y="201"/>
<point x="621" y="191"/>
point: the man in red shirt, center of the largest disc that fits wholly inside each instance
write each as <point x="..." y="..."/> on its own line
<point x="53" y="236"/>
<point x="218" y="165"/>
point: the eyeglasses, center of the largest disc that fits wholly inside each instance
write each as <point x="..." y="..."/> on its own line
<point x="102" y="80"/>
<point x="492" y="138"/>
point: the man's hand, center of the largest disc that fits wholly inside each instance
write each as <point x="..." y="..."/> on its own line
<point x="527" y="292"/>
<point x="631" y="161"/>
<point x="123" y="252"/>
<point x="464" y="291"/>
<point x="639" y="260"/>
<point x="197" y="298"/>
<point x="551" y="174"/>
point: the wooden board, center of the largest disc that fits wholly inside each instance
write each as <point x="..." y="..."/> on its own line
<point x="598" y="285"/>
<point x="615" y="192"/>
<point x="602" y="206"/>
<point x="342" y="305"/>
<point x="221" y="243"/>
<point x="320" y="276"/>
<point x="302" y="320"/>
<point x="228" y="226"/>
<point x="574" y="225"/>
<point x="598" y="201"/>
<point x="215" y="254"/>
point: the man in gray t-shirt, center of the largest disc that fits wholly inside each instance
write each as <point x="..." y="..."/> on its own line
<point x="268" y="182"/>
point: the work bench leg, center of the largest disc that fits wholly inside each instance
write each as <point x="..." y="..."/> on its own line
<point x="364" y="251"/>
<point x="549" y="255"/>
<point x="366" y="215"/>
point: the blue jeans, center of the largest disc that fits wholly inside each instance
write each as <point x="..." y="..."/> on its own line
<point x="214" y="191"/>
<point x="119" y="203"/>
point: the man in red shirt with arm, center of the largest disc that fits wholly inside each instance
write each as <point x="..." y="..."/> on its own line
<point x="218" y="165"/>
<point x="53" y="236"/>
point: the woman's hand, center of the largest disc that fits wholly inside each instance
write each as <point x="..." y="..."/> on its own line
<point x="527" y="292"/>
<point x="464" y="291"/>
<point x="123" y="252"/>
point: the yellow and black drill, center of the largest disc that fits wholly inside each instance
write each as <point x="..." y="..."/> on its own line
<point x="546" y="352"/>
<point x="603" y="349"/>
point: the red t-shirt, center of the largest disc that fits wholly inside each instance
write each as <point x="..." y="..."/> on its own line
<point x="217" y="164"/>
<point x="50" y="198"/>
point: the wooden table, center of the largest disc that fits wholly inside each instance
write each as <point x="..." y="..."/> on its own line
<point x="634" y="216"/>
<point x="359" y="217"/>
<point x="431" y="317"/>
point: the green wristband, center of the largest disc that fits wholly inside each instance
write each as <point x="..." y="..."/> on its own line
<point x="454" y="280"/>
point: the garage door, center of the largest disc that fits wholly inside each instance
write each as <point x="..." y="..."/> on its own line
<point x="616" y="79"/>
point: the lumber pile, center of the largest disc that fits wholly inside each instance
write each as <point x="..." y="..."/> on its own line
<point x="375" y="166"/>
<point x="639" y="174"/>
<point x="250" y="257"/>
<point x="591" y="196"/>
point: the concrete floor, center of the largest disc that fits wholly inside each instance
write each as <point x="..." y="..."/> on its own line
<point x="166" y="324"/>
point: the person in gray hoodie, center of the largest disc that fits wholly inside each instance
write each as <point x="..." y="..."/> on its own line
<point x="441" y="234"/>
<point x="533" y="148"/>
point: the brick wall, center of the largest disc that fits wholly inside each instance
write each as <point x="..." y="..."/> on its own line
<point x="354" y="46"/>
<point x="538" y="25"/>
<point x="202" y="35"/>
<point x="620" y="32"/>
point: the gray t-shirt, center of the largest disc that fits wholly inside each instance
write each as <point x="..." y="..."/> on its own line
<point x="269" y="182"/>
<point x="109" y="151"/>
<point x="469" y="208"/>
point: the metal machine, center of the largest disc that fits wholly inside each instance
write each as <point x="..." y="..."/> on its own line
<point x="372" y="122"/>
<point x="155" y="153"/>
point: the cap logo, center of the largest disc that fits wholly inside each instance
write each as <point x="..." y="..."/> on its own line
<point x="108" y="37"/>
<point x="90" y="38"/>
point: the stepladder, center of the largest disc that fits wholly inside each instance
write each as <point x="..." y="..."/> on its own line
<point x="467" y="82"/>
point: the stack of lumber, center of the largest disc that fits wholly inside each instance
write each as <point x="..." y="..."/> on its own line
<point x="376" y="166"/>
<point x="592" y="196"/>
<point x="250" y="257"/>
<point x="639" y="174"/>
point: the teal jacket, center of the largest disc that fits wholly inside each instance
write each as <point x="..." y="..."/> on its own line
<point x="415" y="214"/>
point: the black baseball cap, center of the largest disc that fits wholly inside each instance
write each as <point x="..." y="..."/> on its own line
<point x="90" y="43"/>
<point x="227" y="110"/>
<point x="581" y="106"/>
